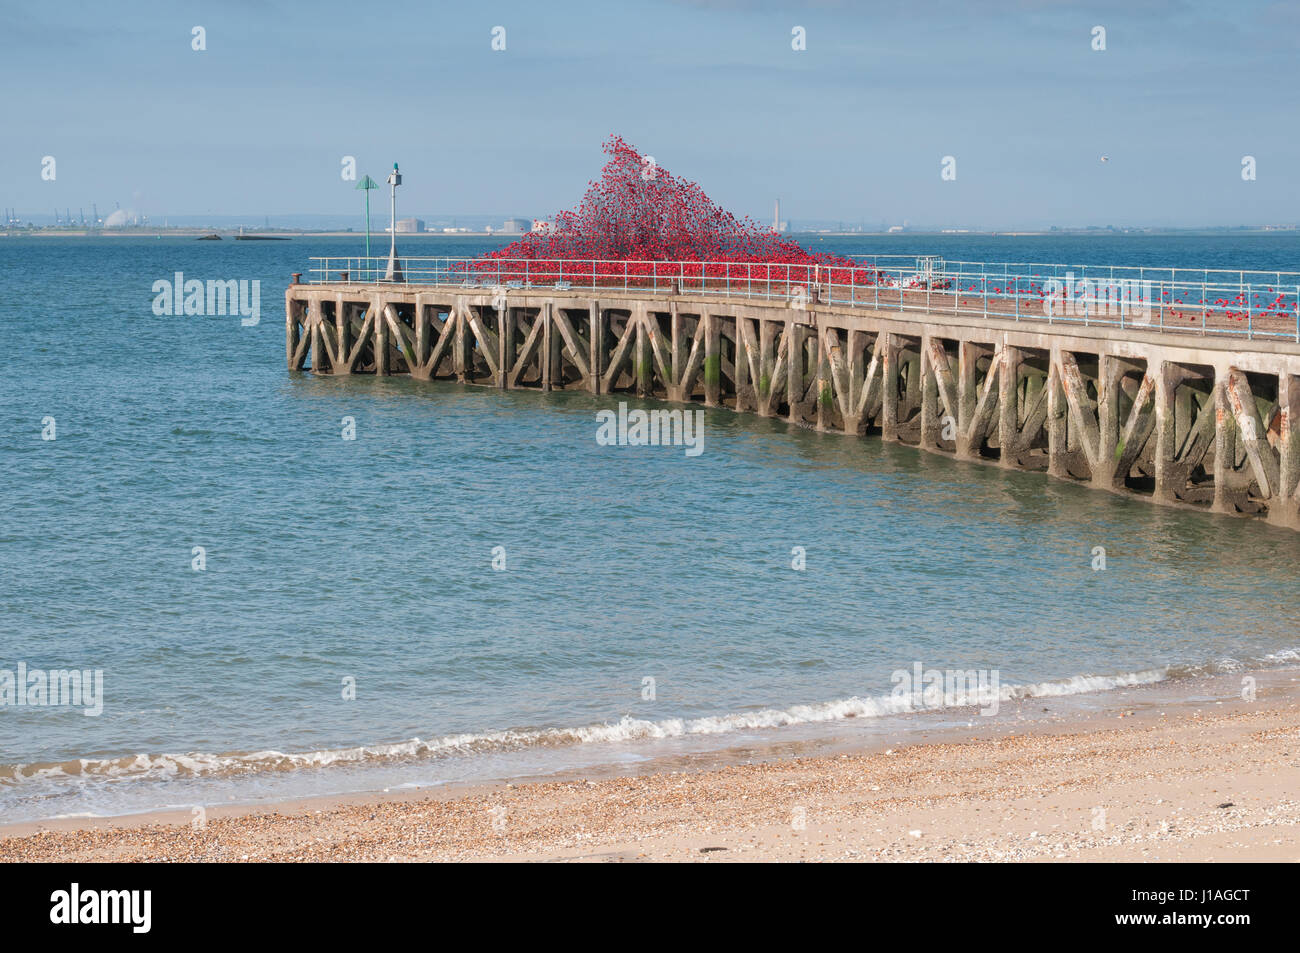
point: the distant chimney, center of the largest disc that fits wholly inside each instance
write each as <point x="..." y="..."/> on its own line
<point x="776" y="217"/>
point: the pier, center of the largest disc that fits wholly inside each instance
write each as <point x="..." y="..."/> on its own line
<point x="1178" y="386"/>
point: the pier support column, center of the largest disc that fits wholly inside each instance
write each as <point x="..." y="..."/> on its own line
<point x="888" y="386"/>
<point x="1109" y="371"/>
<point x="677" y="355"/>
<point x="811" y="361"/>
<point x="641" y="356"/>
<point x="557" y="348"/>
<point x="968" y="356"/>
<point x="317" y="348"/>
<point x="1057" y="419"/>
<point x="1008" y="406"/>
<point x="824" y="390"/>
<point x="1285" y="508"/>
<point x="1224" y="444"/>
<point x="421" y="337"/>
<point x="506" y="345"/>
<point x="767" y="357"/>
<point x="855" y="373"/>
<point x="740" y="363"/>
<point x="1167" y="376"/>
<point x="458" y="315"/>
<point x="764" y="386"/>
<point x="794" y="378"/>
<point x="596" y="354"/>
<point x="291" y="317"/>
<point x="380" y="331"/>
<point x="930" y="426"/>
<point x="342" y="331"/>
<point x="930" y="417"/>
<point x="342" y="336"/>
<point x="712" y="359"/>
<point x="548" y="346"/>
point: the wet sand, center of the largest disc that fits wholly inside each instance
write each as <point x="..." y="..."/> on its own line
<point x="1204" y="780"/>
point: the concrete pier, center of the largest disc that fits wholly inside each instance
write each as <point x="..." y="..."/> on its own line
<point x="1175" y="418"/>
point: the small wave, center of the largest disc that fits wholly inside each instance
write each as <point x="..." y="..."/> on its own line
<point x="626" y="729"/>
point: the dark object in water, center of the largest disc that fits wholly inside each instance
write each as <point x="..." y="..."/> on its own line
<point x="214" y="237"/>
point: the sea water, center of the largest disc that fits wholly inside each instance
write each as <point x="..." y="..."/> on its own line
<point x="475" y="587"/>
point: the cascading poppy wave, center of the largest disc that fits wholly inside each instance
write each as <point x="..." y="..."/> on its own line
<point x="638" y="214"/>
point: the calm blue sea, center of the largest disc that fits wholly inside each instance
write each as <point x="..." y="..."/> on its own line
<point x="332" y="563"/>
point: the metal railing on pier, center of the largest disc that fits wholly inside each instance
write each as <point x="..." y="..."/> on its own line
<point x="1250" y="304"/>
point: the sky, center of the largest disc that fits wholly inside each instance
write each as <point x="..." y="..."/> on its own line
<point x="855" y="127"/>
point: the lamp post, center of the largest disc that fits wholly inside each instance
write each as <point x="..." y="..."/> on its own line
<point x="394" y="272"/>
<point x="366" y="184"/>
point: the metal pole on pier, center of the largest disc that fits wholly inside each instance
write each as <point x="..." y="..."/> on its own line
<point x="366" y="184"/>
<point x="394" y="272"/>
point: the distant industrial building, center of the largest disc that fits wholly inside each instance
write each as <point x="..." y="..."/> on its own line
<point x="516" y="226"/>
<point x="410" y="225"/>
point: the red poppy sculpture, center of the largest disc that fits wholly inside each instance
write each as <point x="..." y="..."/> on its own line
<point x="638" y="214"/>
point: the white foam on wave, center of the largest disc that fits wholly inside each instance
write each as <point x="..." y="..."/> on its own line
<point x="626" y="729"/>
<point x="1081" y="684"/>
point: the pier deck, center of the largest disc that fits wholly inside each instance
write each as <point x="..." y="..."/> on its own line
<point x="1205" y="414"/>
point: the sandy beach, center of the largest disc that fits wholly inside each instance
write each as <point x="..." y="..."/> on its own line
<point x="1200" y="781"/>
